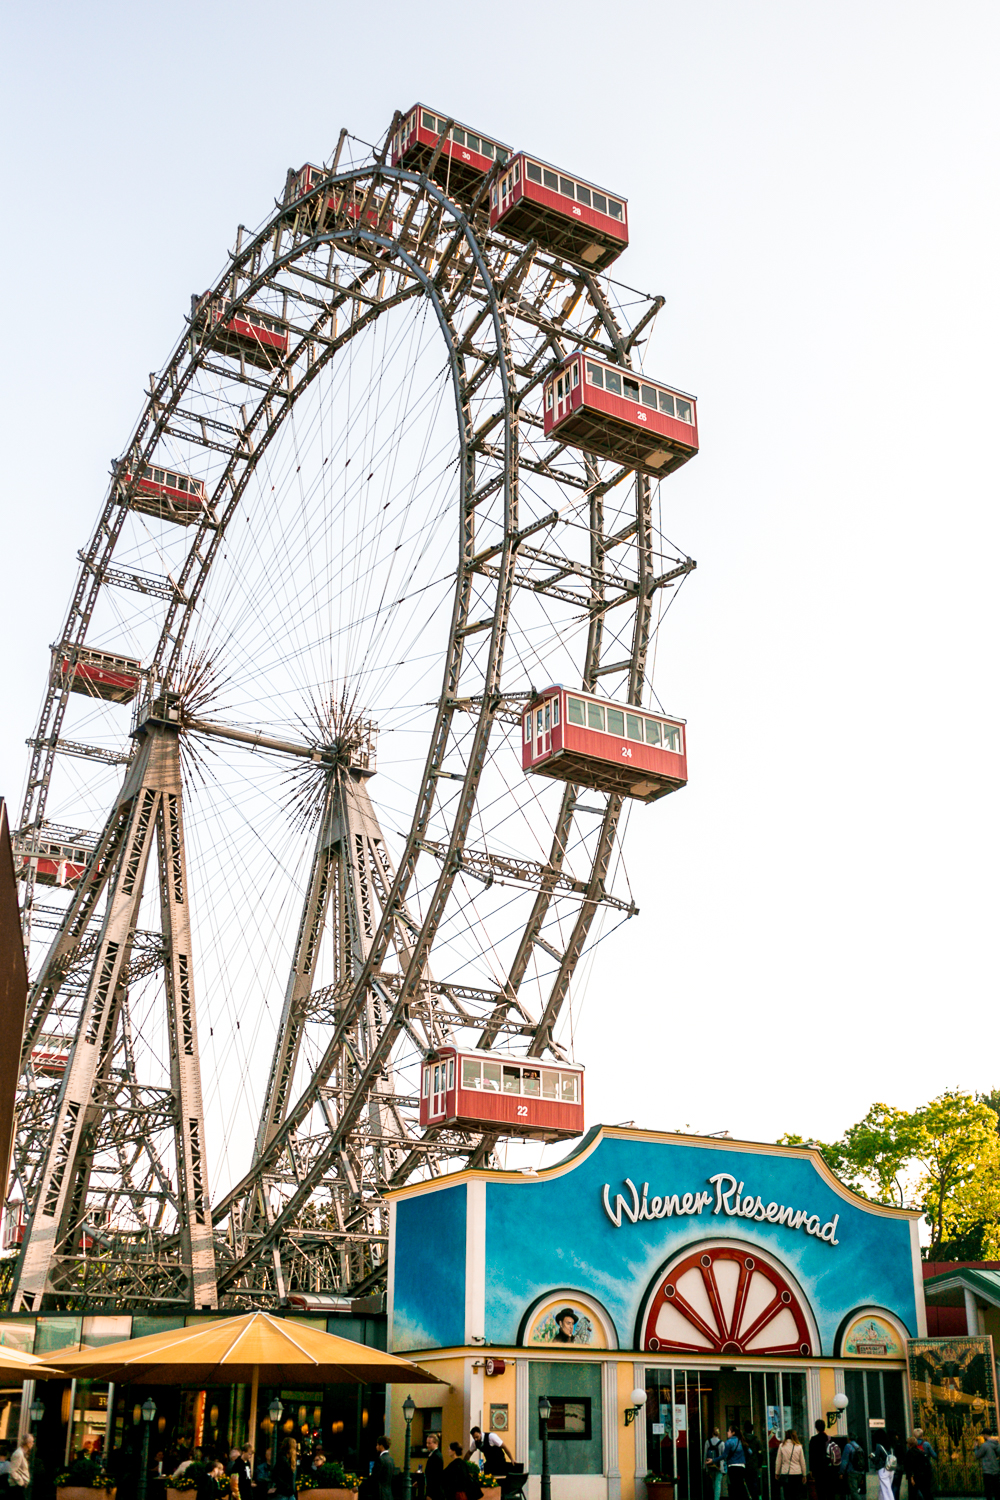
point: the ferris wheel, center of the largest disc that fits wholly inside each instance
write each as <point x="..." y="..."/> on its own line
<point x="337" y="736"/>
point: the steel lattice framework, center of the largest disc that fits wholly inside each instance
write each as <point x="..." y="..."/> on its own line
<point x="111" y="1170"/>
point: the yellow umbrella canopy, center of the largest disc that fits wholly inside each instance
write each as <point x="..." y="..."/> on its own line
<point x="16" y="1367"/>
<point x="242" y="1349"/>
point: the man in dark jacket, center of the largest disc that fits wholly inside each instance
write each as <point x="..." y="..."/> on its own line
<point x="917" y="1468"/>
<point x="434" y="1469"/>
<point x="820" y="1466"/>
<point x="988" y="1453"/>
<point x="384" y="1469"/>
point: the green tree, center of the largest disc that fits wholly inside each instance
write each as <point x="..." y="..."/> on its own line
<point x="943" y="1158"/>
<point x="957" y="1153"/>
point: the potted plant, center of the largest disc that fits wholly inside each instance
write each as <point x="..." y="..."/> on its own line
<point x="331" y="1481"/>
<point x="179" y="1486"/>
<point x="659" y="1486"/>
<point x="85" y="1479"/>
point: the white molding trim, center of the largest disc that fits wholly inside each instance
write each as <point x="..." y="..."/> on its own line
<point x="475" y="1263"/>
<point x="918" y="1280"/>
<point x="639" y="1428"/>
<point x="390" y="1288"/>
<point x="814" y="1396"/>
<point x="522" y="1434"/>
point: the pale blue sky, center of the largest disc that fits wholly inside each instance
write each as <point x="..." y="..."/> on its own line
<point x="813" y="188"/>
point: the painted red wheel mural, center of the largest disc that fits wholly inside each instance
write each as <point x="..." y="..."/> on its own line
<point x="726" y="1299"/>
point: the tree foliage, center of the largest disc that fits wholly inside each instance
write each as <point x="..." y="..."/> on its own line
<point x="942" y="1158"/>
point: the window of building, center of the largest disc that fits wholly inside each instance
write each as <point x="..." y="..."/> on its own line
<point x="570" y="1420"/>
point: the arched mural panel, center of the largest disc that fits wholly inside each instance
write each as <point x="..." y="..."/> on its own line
<point x="567" y="1316"/>
<point x="725" y="1297"/>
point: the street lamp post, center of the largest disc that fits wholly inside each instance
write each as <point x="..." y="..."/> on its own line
<point x="275" y="1411"/>
<point x="544" y="1413"/>
<point x="409" y="1409"/>
<point x="148" y="1413"/>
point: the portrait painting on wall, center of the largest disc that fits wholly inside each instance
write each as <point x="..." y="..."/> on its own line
<point x="567" y="1317"/>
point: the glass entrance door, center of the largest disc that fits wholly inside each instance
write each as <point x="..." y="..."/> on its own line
<point x="778" y="1405"/>
<point x="684" y="1407"/>
<point x="875" y="1405"/>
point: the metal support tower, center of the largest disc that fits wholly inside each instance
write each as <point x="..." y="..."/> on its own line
<point x="89" y="1179"/>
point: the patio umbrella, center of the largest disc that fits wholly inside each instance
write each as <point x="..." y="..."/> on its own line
<point x="237" y="1351"/>
<point x="16" y="1367"/>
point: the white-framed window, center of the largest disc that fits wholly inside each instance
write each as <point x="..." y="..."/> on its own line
<point x="472" y="1073"/>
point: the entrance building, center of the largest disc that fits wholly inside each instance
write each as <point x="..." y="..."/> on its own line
<point x="726" y="1281"/>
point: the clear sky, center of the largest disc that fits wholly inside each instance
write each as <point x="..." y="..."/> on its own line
<point x="813" y="187"/>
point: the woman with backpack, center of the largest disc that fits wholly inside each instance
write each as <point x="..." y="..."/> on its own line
<point x="885" y="1467"/>
<point x="713" y="1462"/>
<point x="790" y="1466"/>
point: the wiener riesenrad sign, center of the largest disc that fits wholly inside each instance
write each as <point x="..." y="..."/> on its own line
<point x="727" y="1197"/>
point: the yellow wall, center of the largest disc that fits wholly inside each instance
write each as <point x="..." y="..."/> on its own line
<point x="626" y="1435"/>
<point x="828" y="1391"/>
<point x="991" y="1322"/>
<point x="448" y="1395"/>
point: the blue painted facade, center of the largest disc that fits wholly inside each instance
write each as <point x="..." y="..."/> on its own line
<point x="429" y="1275"/>
<point x="605" y="1222"/>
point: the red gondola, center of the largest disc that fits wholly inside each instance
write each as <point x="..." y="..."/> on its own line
<point x="13" y="1226"/>
<point x="577" y="737"/>
<point x="326" y="207"/>
<point x="100" y="674"/>
<point x="493" y="1091"/>
<point x="466" y="156"/>
<point x="256" y="336"/>
<point x="49" y="1064"/>
<point x="533" y="201"/>
<point x="167" y="494"/>
<point x="60" y="861"/>
<point x="598" y="406"/>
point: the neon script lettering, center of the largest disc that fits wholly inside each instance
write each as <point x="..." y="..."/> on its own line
<point x="728" y="1198"/>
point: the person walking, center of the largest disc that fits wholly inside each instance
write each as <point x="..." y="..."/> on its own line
<point x="852" y="1467"/>
<point x="885" y="1467"/>
<point x="752" y="1450"/>
<point x="241" y="1475"/>
<point x="20" y="1463"/>
<point x="820" y="1467"/>
<point x="433" y="1469"/>
<point x="917" y="1468"/>
<point x="459" y="1481"/>
<point x="713" y="1462"/>
<point x="988" y="1453"/>
<point x="283" y="1473"/>
<point x="736" y="1464"/>
<point x="790" y="1466"/>
<point x="384" y="1469"/>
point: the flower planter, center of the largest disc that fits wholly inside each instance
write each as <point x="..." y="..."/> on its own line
<point x="173" y="1494"/>
<point x="327" y="1495"/>
<point x="83" y="1492"/>
<point x="659" y="1489"/>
